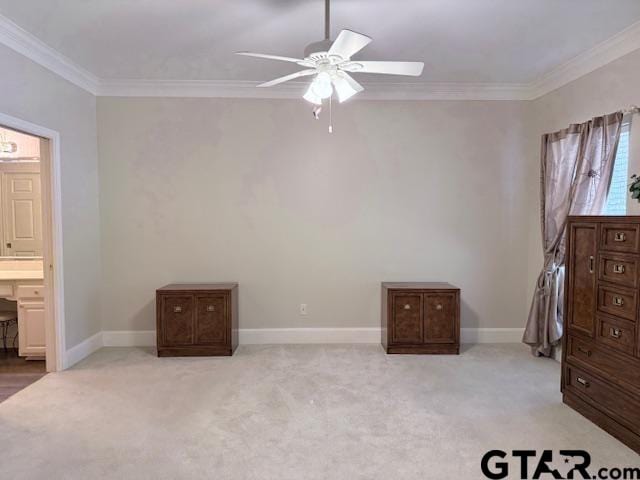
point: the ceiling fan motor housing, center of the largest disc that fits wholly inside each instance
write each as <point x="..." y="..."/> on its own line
<point x="316" y="47"/>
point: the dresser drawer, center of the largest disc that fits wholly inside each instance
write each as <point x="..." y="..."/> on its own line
<point x="621" y="369"/>
<point x="618" y="301"/>
<point x="30" y="291"/>
<point x="619" y="237"/>
<point x="620" y="269"/>
<point x="617" y="403"/>
<point x="617" y="333"/>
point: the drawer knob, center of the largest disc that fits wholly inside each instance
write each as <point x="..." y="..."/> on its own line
<point x="211" y="308"/>
<point x="407" y="307"/>
<point x="618" y="302"/>
<point x="438" y="307"/>
<point x="587" y="352"/>
<point x="619" y="237"/>
<point x="617" y="268"/>
<point x="583" y="382"/>
<point x="615" y="332"/>
<point x="177" y="309"/>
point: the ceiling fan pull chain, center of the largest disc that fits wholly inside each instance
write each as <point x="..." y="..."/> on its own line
<point x="330" y="117"/>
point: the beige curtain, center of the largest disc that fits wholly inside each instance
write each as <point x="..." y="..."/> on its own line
<point x="575" y="173"/>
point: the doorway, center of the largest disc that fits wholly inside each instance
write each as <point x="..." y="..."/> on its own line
<point x="31" y="242"/>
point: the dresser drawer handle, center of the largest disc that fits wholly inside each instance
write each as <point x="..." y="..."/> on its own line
<point x="618" y="268"/>
<point x="615" y="332"/>
<point x="582" y="381"/>
<point x="177" y="309"/>
<point x="585" y="351"/>
<point x="211" y="308"/>
<point x="407" y="307"/>
<point x="438" y="307"/>
<point x="619" y="237"/>
<point x="618" y="302"/>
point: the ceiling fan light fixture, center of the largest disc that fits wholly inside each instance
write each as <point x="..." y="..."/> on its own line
<point x="321" y="85"/>
<point x="311" y="97"/>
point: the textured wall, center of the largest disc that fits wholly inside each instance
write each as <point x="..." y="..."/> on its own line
<point x="257" y="191"/>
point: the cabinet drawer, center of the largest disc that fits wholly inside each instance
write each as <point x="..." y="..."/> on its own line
<point x="619" y="269"/>
<point x="617" y="333"/>
<point x="616" y="402"/>
<point x="30" y="291"/>
<point x="406" y="324"/>
<point x="619" y="237"/>
<point x="177" y="320"/>
<point x="440" y="318"/>
<point x="621" y="369"/>
<point x="618" y="301"/>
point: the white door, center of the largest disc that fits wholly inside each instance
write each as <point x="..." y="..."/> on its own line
<point x="31" y="329"/>
<point x="23" y="215"/>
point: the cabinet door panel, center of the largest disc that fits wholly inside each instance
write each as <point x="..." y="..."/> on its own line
<point x="581" y="264"/>
<point x="439" y="318"/>
<point x="31" y="329"/>
<point x="177" y="320"/>
<point x="407" y="318"/>
<point x="211" y="319"/>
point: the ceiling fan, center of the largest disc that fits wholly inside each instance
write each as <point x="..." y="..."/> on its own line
<point x="330" y="63"/>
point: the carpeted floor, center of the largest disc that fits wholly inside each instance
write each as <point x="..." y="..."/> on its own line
<point x="292" y="412"/>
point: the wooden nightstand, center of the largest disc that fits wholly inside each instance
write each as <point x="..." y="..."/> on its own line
<point x="420" y="317"/>
<point x="197" y="319"/>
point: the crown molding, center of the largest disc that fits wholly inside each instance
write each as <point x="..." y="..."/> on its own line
<point x="23" y="42"/>
<point x="18" y="39"/>
<point x="247" y="89"/>
<point x="602" y="54"/>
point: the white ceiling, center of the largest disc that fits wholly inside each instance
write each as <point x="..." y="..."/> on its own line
<point x="502" y="41"/>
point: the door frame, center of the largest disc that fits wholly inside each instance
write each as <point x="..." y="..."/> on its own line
<point x="52" y="237"/>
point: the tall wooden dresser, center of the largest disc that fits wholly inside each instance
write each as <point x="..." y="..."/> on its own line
<point x="601" y="355"/>
<point x="197" y="319"/>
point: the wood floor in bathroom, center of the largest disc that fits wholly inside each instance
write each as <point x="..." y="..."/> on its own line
<point x="17" y="373"/>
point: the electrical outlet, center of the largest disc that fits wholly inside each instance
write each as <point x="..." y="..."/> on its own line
<point x="303" y="309"/>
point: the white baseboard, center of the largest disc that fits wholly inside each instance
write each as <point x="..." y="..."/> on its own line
<point x="129" y="338"/>
<point x="262" y="336"/>
<point x="491" y="335"/>
<point x="82" y="350"/>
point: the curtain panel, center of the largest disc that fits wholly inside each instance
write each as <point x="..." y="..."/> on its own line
<point x="575" y="173"/>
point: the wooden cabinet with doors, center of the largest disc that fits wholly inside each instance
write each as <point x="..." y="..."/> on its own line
<point x="197" y="319"/>
<point x="601" y="349"/>
<point x="420" y="318"/>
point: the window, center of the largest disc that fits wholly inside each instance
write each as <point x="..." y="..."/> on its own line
<point x="617" y="199"/>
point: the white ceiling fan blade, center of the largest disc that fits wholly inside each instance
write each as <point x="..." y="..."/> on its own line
<point x="348" y="43"/>
<point x="345" y="86"/>
<point x="413" y="69"/>
<point x="270" y="57"/>
<point x="286" y="78"/>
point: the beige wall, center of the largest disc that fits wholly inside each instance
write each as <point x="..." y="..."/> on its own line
<point x="33" y="93"/>
<point x="606" y="90"/>
<point x="257" y="191"/>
